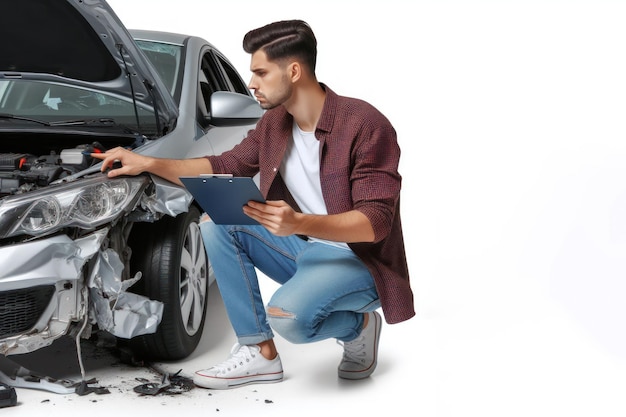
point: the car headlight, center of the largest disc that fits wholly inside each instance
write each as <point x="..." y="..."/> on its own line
<point x="85" y="203"/>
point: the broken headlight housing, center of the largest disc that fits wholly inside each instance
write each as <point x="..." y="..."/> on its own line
<point x="86" y="204"/>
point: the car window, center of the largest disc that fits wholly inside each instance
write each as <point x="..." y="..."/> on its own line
<point x="206" y="87"/>
<point x="210" y="73"/>
<point x="235" y="81"/>
<point x="214" y="73"/>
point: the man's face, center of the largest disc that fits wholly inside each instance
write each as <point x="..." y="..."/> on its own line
<point x="270" y="81"/>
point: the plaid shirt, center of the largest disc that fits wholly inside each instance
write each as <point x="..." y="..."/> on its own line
<point x="359" y="157"/>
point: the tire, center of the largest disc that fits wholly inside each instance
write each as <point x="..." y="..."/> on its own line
<point x="171" y="256"/>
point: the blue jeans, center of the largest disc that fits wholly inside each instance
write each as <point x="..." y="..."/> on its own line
<point x="324" y="289"/>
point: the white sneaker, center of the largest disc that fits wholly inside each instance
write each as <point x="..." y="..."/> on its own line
<point x="245" y="365"/>
<point x="360" y="355"/>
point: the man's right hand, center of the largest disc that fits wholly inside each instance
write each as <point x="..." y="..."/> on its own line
<point x="121" y="161"/>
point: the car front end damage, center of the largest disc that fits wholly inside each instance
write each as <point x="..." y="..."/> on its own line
<point x="64" y="261"/>
<point x="44" y="290"/>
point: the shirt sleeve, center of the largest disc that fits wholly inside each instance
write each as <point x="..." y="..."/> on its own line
<point x="375" y="179"/>
<point x="242" y="160"/>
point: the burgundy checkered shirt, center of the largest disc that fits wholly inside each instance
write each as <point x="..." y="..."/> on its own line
<point x="359" y="157"/>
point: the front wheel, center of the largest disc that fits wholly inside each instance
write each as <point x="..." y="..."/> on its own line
<point x="171" y="256"/>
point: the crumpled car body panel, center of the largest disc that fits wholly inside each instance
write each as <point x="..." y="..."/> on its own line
<point x="48" y="276"/>
<point x="59" y="280"/>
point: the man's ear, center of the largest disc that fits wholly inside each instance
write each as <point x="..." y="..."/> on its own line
<point x="295" y="71"/>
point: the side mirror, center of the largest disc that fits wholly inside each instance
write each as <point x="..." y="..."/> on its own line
<point x="233" y="109"/>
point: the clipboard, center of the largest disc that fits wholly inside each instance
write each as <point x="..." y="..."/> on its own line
<point x="223" y="196"/>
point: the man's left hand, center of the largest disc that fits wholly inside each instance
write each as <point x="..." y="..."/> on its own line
<point x="276" y="216"/>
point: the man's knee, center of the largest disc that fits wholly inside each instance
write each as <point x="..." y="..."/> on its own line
<point x="287" y="324"/>
<point x="279" y="312"/>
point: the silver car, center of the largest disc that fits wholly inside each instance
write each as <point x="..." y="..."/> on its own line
<point x="79" y="251"/>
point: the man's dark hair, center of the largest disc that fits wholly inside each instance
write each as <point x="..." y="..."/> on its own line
<point x="284" y="39"/>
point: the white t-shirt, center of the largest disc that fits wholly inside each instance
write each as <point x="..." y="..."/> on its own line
<point x="300" y="170"/>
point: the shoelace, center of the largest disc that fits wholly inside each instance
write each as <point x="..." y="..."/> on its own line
<point x="239" y="355"/>
<point x="354" y="350"/>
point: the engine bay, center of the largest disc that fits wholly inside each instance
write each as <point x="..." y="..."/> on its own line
<point x="20" y="172"/>
<point x="31" y="165"/>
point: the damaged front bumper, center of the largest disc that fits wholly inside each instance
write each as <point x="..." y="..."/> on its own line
<point x="54" y="285"/>
<point x="49" y="284"/>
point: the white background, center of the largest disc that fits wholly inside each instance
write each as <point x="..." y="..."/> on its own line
<point x="511" y="118"/>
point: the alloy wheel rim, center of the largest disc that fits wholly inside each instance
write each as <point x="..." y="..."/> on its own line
<point x="193" y="280"/>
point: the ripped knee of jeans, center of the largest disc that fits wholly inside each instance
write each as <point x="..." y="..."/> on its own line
<point x="204" y="218"/>
<point x="287" y="324"/>
<point x="278" y="312"/>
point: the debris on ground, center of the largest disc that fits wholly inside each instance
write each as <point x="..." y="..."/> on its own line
<point x="87" y="387"/>
<point x="169" y="385"/>
<point x="8" y="397"/>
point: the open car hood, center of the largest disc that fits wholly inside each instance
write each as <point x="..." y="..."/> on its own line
<point x="80" y="42"/>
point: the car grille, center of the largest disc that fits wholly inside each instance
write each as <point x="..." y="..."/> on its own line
<point x="20" y="309"/>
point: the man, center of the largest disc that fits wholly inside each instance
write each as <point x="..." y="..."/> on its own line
<point x="330" y="230"/>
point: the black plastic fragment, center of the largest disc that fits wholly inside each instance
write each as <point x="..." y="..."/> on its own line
<point x="86" y="387"/>
<point x="170" y="385"/>
<point x="8" y="396"/>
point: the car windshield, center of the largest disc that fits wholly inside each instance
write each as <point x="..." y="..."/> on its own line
<point x="55" y="102"/>
<point x="167" y="59"/>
